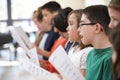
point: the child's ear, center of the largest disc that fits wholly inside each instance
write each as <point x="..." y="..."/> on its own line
<point x="98" y="28"/>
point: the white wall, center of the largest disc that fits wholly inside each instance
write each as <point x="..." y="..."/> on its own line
<point x="95" y="2"/>
<point x="75" y="4"/>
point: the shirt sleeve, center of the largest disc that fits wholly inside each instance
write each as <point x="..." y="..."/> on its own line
<point x="83" y="60"/>
<point x="107" y="73"/>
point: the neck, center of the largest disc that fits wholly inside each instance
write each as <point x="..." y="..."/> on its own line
<point x="101" y="42"/>
<point x="49" y="27"/>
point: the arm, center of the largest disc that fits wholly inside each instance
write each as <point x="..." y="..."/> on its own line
<point x="83" y="63"/>
<point x="83" y="71"/>
<point x="43" y="52"/>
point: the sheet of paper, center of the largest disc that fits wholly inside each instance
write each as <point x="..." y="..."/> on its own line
<point x="18" y="39"/>
<point x="38" y="72"/>
<point x="32" y="53"/>
<point x="63" y="64"/>
<point x="24" y="36"/>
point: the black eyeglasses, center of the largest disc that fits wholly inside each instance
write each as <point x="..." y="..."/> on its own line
<point x="81" y="25"/>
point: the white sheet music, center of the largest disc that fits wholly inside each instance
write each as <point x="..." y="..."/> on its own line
<point x="31" y="65"/>
<point x="23" y="35"/>
<point x="63" y="64"/>
<point x="32" y="53"/>
<point x="18" y="39"/>
<point x="38" y="72"/>
<point x="20" y="36"/>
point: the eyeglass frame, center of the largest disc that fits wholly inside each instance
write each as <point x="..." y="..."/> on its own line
<point x="92" y="23"/>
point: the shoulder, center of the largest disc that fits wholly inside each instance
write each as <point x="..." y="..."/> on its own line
<point x="107" y="59"/>
<point x="108" y="56"/>
<point x="87" y="49"/>
<point x="85" y="52"/>
<point x="91" y="52"/>
<point x="52" y="34"/>
<point x="84" y="57"/>
<point x="60" y="40"/>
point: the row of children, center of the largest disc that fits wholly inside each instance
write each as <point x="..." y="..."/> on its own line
<point x="86" y="35"/>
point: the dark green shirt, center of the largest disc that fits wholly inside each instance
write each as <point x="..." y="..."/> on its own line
<point x="99" y="64"/>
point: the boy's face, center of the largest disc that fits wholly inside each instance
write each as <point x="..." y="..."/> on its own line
<point x="86" y="31"/>
<point x="42" y="26"/>
<point x="47" y="16"/>
<point x="114" y="16"/>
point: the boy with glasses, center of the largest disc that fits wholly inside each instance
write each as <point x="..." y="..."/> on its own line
<point x="94" y="30"/>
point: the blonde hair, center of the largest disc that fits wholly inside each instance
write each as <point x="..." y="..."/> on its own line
<point x="78" y="14"/>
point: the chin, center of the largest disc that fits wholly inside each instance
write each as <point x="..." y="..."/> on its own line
<point x="85" y="43"/>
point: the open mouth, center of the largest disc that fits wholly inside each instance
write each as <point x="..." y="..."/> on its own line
<point x="81" y="36"/>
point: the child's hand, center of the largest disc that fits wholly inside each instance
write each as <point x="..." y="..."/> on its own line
<point x="43" y="64"/>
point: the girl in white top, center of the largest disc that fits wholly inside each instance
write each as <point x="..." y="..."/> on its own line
<point x="77" y="54"/>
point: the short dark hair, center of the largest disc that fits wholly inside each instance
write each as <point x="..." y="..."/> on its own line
<point x="39" y="15"/>
<point x="115" y="4"/>
<point x="60" y="21"/>
<point x="52" y="6"/>
<point x="98" y="14"/>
